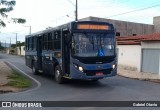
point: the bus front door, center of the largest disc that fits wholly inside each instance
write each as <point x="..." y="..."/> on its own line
<point x="65" y="52"/>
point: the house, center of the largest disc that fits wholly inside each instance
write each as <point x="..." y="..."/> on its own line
<point x="140" y="53"/>
<point x="16" y="51"/>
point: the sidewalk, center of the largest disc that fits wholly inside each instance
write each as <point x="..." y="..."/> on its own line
<point x="138" y="75"/>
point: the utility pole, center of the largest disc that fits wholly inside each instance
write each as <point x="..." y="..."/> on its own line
<point x="76" y="12"/>
<point x="30" y="28"/>
<point x="16" y="39"/>
<point x="5" y="45"/>
<point x="10" y="41"/>
<point x="10" y="44"/>
<point x="76" y="7"/>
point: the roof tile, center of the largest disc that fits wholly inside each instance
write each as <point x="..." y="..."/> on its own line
<point x="136" y="40"/>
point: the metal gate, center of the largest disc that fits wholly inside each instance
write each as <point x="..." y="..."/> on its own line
<point x="150" y="60"/>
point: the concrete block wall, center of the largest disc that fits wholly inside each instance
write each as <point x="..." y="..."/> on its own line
<point x="156" y="22"/>
<point x="126" y="28"/>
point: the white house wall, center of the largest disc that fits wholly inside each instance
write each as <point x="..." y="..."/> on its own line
<point x="22" y="50"/>
<point x="129" y="56"/>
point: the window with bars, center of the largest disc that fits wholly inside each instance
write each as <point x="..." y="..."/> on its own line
<point x="57" y="40"/>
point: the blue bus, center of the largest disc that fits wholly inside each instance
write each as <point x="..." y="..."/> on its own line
<point x="76" y="50"/>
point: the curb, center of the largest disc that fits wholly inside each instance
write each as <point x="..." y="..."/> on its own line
<point x="142" y="79"/>
<point x="7" y="91"/>
<point x="33" y="79"/>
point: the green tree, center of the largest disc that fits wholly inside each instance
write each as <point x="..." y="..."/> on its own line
<point x="6" y="7"/>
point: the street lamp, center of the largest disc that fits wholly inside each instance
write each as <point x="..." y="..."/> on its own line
<point x="29" y="29"/>
<point x="69" y="17"/>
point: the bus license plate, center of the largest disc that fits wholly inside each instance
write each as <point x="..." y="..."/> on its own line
<point x="99" y="73"/>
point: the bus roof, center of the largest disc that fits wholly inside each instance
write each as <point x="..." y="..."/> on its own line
<point x="69" y="26"/>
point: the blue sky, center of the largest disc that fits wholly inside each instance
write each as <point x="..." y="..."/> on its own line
<point x="43" y="13"/>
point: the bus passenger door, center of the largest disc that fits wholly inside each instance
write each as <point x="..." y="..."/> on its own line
<point x="39" y="53"/>
<point x="65" y="52"/>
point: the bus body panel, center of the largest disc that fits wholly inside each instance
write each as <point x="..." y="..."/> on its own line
<point x="30" y="56"/>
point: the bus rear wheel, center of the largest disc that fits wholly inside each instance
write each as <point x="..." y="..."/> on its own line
<point x="34" y="70"/>
<point x="58" y="75"/>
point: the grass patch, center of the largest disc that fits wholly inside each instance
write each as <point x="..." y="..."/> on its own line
<point x="19" y="81"/>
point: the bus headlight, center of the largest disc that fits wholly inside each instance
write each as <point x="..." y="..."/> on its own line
<point x="113" y="66"/>
<point x="80" y="68"/>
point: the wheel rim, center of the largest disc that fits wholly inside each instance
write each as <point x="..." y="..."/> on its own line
<point x="57" y="75"/>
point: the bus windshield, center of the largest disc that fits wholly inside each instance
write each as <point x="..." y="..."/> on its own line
<point x="93" y="44"/>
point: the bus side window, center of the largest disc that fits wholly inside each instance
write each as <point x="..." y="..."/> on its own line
<point x="26" y="44"/>
<point x="50" y="40"/>
<point x="30" y="43"/>
<point x="34" y="42"/>
<point x="57" y="40"/>
<point x="45" y="42"/>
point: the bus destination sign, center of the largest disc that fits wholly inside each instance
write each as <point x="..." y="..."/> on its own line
<point x="92" y="26"/>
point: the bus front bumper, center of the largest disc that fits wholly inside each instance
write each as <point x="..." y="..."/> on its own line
<point x="91" y="75"/>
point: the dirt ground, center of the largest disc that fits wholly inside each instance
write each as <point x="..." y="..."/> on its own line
<point x="4" y="72"/>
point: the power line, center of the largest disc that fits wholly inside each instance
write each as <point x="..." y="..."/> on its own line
<point x="76" y="10"/>
<point x="71" y="2"/>
<point x="133" y="11"/>
<point x="104" y="4"/>
<point x="58" y="18"/>
<point x="115" y="3"/>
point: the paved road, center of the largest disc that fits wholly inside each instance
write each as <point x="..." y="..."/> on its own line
<point x="109" y="89"/>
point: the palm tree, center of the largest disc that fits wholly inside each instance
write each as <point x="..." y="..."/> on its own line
<point x="6" y="7"/>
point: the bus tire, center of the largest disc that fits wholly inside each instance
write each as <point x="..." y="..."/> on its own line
<point x="34" y="70"/>
<point x="58" y="75"/>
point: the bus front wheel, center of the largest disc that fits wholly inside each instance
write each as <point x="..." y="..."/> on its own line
<point x="58" y="75"/>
